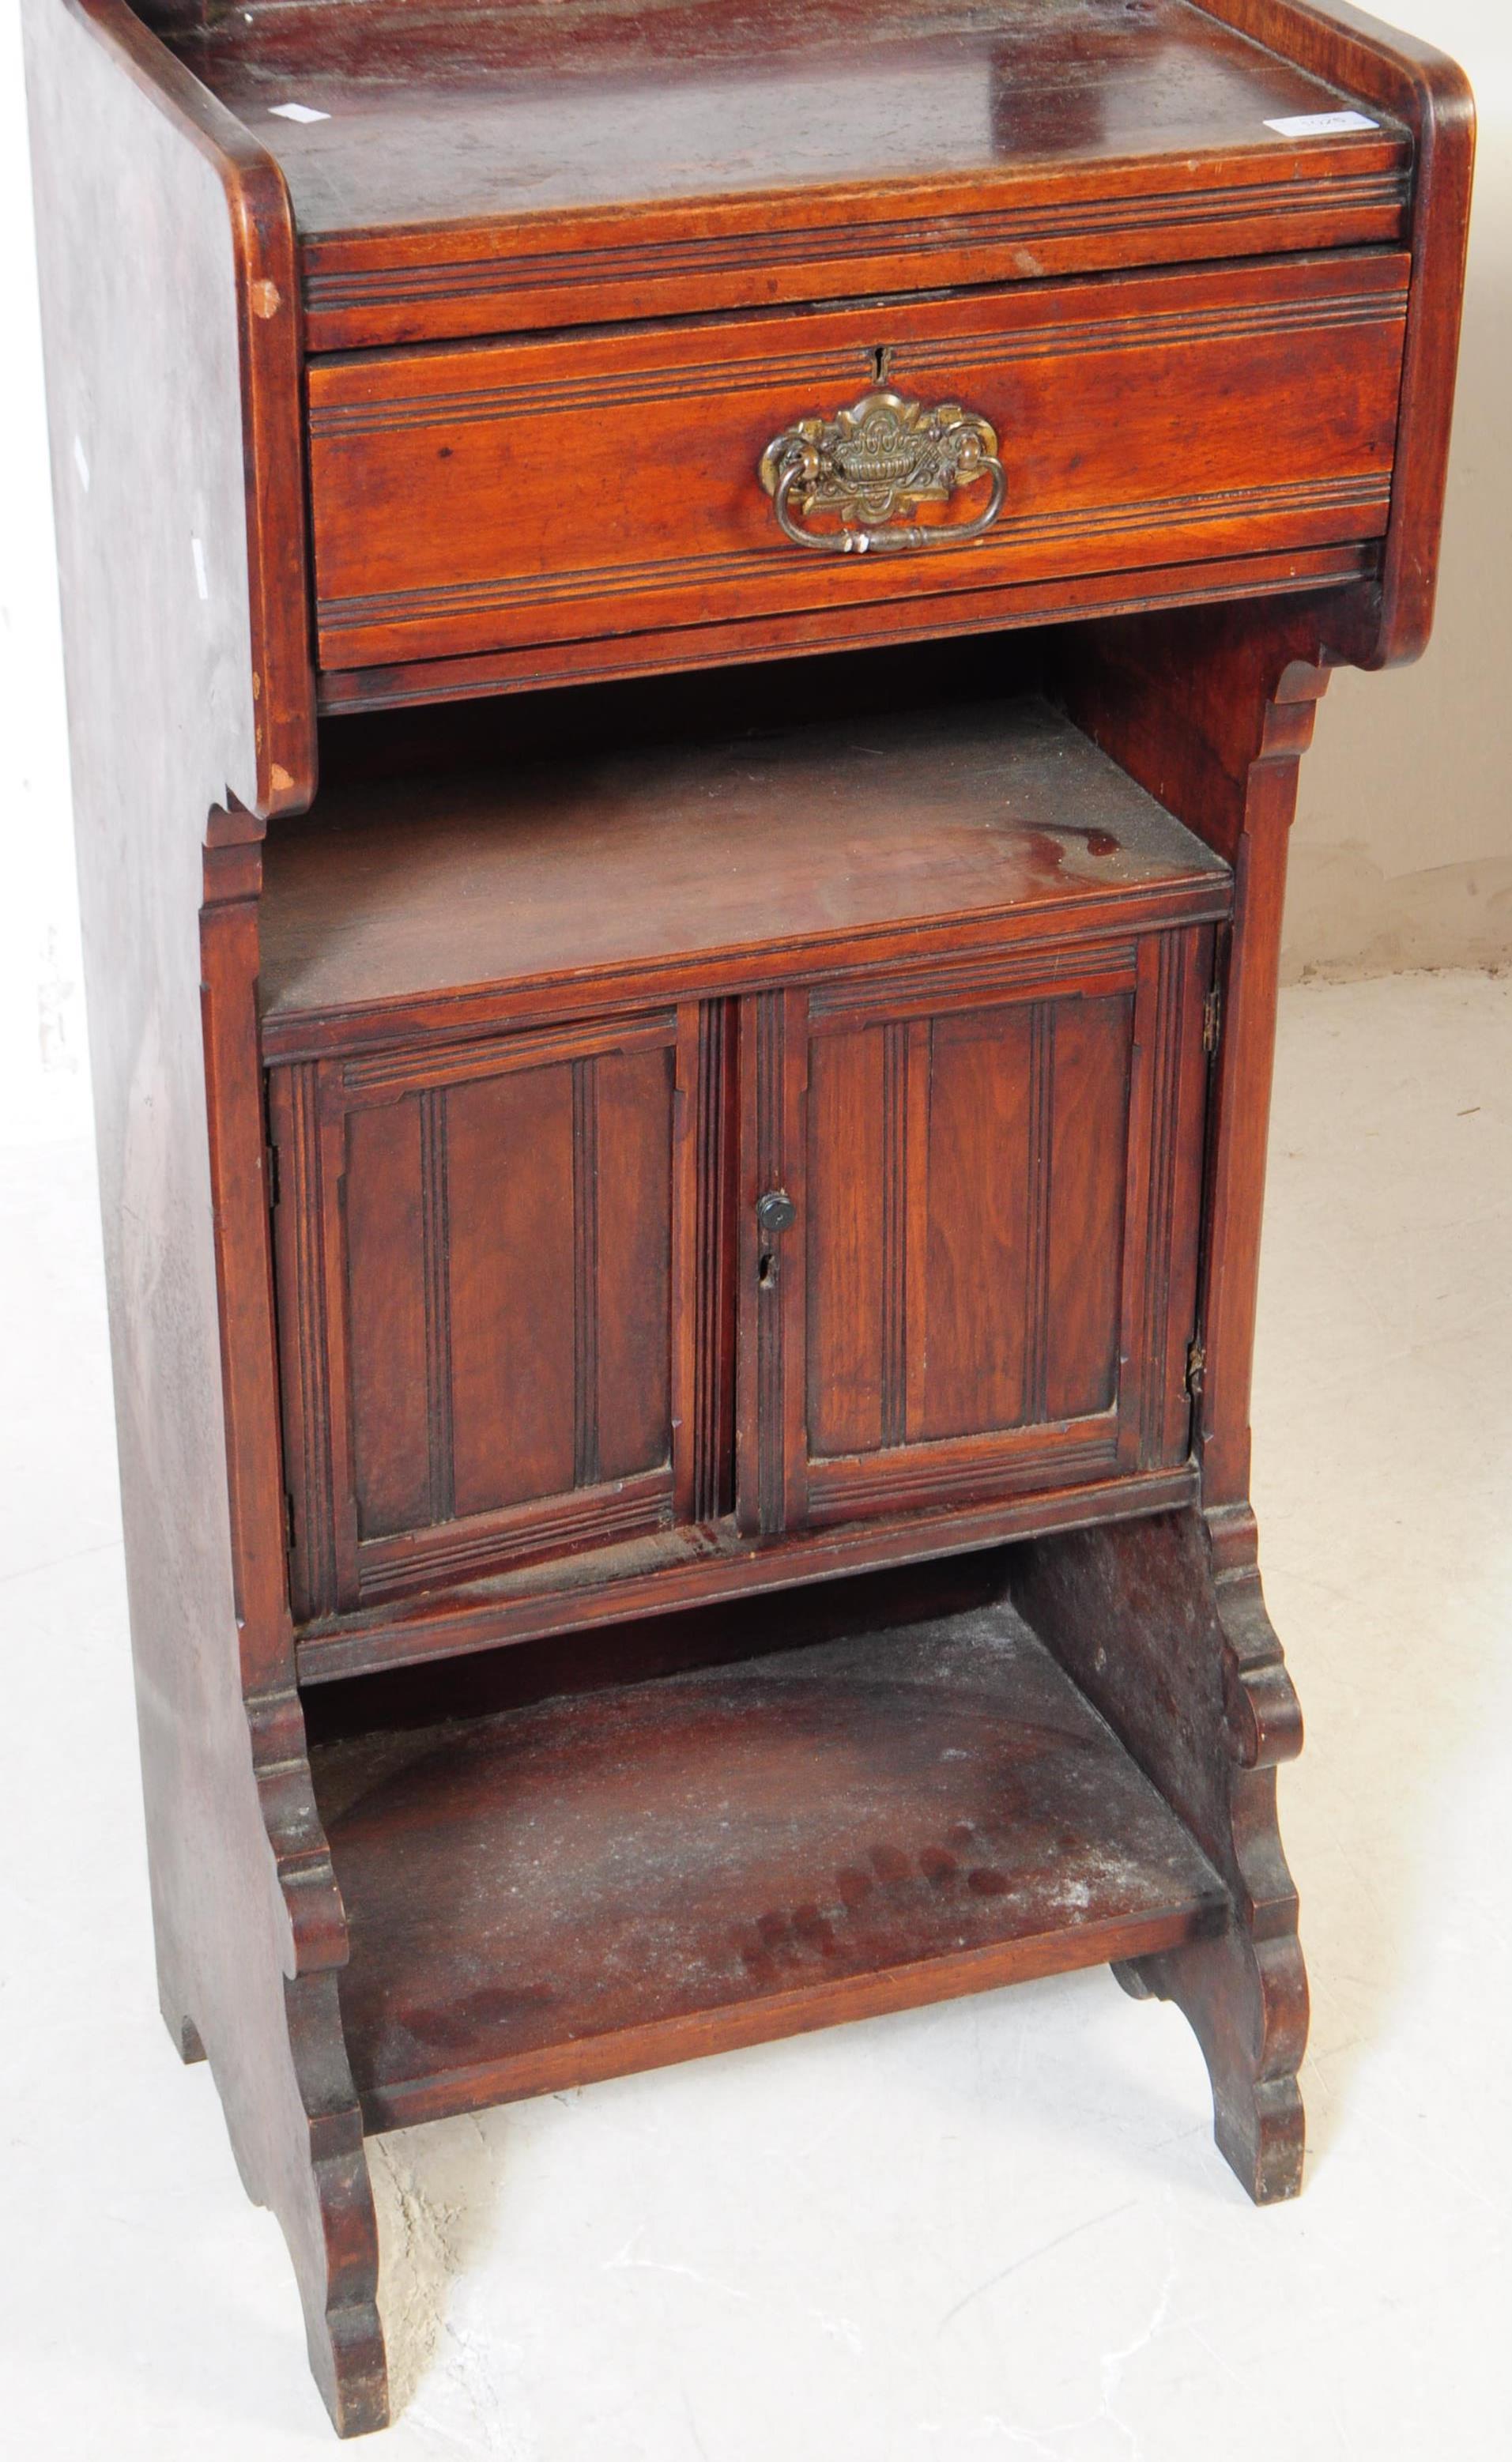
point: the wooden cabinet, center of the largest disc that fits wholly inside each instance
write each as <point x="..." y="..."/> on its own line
<point x="966" y="1264"/>
<point x="849" y="1226"/>
<point x="690" y="631"/>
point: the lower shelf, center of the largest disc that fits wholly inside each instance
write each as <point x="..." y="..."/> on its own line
<point x="614" y="1880"/>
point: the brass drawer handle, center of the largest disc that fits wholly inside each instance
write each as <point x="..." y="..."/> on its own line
<point x="876" y="461"/>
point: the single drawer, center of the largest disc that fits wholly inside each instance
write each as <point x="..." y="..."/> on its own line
<point x="601" y="484"/>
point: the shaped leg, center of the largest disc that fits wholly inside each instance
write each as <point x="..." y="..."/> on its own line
<point x="1163" y="1625"/>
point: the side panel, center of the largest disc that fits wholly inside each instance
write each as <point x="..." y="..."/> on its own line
<point x="157" y="221"/>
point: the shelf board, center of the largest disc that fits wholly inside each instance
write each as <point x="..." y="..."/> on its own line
<point x="612" y="1880"/>
<point x="804" y="837"/>
<point x="515" y="111"/>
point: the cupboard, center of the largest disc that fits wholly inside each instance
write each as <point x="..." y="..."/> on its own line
<point x="689" y="635"/>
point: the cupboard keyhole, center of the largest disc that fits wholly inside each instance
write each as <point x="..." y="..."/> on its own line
<point x="775" y="1212"/>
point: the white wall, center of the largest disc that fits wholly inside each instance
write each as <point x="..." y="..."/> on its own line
<point x="43" y="1073"/>
<point x="1403" y="852"/>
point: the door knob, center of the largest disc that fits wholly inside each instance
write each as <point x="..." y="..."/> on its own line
<point x="776" y="1210"/>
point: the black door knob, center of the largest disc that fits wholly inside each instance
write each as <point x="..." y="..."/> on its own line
<point x="776" y="1210"/>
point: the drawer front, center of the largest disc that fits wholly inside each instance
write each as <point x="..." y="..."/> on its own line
<point x="488" y="497"/>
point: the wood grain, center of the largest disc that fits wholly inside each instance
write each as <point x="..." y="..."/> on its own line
<point x="759" y="851"/>
<point x="1163" y="1629"/>
<point x="1431" y="95"/>
<point x="255" y="228"/>
<point x="151" y="222"/>
<point x="1219" y="712"/>
<point x="644" y="1874"/>
<point x="1125" y="442"/>
<point x="728" y="1140"/>
<point x="895" y="1350"/>
<point x="697" y="648"/>
<point x="483" y="170"/>
<point x="475" y="1260"/>
<point x="984" y="1233"/>
<point x="912" y="1154"/>
<point x="681" y="1569"/>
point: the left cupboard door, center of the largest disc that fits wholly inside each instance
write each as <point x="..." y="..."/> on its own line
<point x="498" y="1266"/>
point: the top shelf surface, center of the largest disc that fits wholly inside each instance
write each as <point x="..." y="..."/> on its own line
<point x="524" y="109"/>
<point x="806" y="840"/>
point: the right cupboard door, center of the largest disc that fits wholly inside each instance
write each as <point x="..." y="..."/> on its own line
<point x="971" y="1198"/>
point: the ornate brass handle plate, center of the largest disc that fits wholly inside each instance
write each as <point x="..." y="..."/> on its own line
<point x="873" y="465"/>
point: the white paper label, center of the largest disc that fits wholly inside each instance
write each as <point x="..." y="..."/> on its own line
<point x="1322" y="124"/>
<point x="299" y="111"/>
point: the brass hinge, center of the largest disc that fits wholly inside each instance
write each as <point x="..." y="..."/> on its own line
<point x="1212" y="1019"/>
<point x="1195" y="1363"/>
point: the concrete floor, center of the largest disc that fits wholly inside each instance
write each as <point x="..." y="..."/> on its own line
<point x="994" y="2227"/>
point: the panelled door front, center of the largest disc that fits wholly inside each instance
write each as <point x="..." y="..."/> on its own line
<point x="875" y="1246"/>
<point x="494" y="1260"/>
<point x="970" y="1205"/>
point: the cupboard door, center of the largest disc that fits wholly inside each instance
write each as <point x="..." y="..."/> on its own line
<point x="497" y="1269"/>
<point x="970" y="1204"/>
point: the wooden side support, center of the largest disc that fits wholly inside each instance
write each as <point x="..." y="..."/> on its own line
<point x="190" y="695"/>
<point x="1162" y="1625"/>
<point x="292" y="2109"/>
<point x="1212" y="710"/>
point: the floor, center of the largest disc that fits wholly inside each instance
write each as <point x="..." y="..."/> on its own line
<point x="997" y="2227"/>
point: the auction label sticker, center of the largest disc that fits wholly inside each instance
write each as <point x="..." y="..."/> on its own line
<point x="1322" y="124"/>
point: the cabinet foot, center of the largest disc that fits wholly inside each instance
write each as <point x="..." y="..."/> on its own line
<point x="1247" y="2004"/>
<point x="323" y="2197"/>
<point x="336" y="2263"/>
<point x="1163" y="1625"/>
<point x="264" y="1990"/>
<point x="303" y="2156"/>
<point x="303" y="2152"/>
